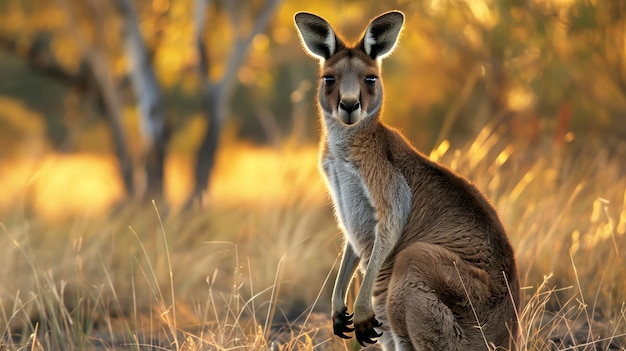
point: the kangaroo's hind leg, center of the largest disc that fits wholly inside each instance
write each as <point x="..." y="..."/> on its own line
<point x="428" y="306"/>
<point x="386" y="341"/>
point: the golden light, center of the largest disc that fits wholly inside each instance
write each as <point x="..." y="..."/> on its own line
<point x="575" y="242"/>
<point x="160" y="5"/>
<point x="282" y="35"/>
<point x="60" y="185"/>
<point x="504" y="155"/>
<point x="260" y="42"/>
<point x="246" y="75"/>
<point x="481" y="12"/>
<point x="520" y="98"/>
<point x="440" y="150"/>
<point x="247" y="175"/>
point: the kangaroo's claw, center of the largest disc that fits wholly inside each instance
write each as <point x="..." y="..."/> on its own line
<point x="341" y="323"/>
<point x="365" y="332"/>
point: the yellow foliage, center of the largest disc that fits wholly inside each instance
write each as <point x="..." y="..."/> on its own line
<point x="260" y="42"/>
<point x="67" y="51"/>
<point x="12" y="20"/>
<point x="176" y="52"/>
<point x="49" y="17"/>
<point x="189" y="135"/>
<point x="219" y="37"/>
<point x="161" y="5"/>
<point x="282" y="35"/>
<point x="481" y="11"/>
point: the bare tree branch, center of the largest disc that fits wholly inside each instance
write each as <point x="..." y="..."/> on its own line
<point x="200" y="20"/>
<point x="242" y="45"/>
<point x="39" y="59"/>
<point x="216" y="94"/>
<point x="143" y="78"/>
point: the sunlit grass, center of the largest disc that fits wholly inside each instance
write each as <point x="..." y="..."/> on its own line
<point x="59" y="186"/>
<point x="254" y="269"/>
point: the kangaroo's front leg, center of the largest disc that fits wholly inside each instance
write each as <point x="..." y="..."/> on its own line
<point x="391" y="197"/>
<point x="341" y="319"/>
<point x="365" y="320"/>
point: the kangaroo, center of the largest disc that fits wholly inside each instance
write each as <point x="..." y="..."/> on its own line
<point x="438" y="270"/>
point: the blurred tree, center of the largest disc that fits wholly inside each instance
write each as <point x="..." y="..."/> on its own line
<point x="540" y="61"/>
<point x="93" y="66"/>
<point x="497" y="44"/>
<point x="85" y="68"/>
<point x="216" y="92"/>
<point x="154" y="132"/>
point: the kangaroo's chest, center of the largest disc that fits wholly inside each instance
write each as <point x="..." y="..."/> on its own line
<point x="352" y="202"/>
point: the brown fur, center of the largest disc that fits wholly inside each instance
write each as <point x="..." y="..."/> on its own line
<point x="439" y="272"/>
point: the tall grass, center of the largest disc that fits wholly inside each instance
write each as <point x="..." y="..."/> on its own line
<point x="255" y="272"/>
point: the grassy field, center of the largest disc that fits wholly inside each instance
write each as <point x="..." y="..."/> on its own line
<point x="254" y="268"/>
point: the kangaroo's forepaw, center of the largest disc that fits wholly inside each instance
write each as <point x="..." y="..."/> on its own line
<point x="365" y="331"/>
<point x="341" y="323"/>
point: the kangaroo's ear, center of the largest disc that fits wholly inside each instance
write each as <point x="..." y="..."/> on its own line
<point x="317" y="35"/>
<point x="381" y="34"/>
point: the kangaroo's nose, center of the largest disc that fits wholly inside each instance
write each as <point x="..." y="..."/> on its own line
<point x="349" y="105"/>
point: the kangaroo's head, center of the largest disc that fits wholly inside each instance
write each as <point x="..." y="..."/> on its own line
<point x="350" y="89"/>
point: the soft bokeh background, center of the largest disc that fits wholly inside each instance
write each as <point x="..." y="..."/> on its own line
<point x="547" y="72"/>
<point x="208" y="109"/>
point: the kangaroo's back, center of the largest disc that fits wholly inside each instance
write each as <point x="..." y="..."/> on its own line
<point x="439" y="272"/>
<point x="450" y="213"/>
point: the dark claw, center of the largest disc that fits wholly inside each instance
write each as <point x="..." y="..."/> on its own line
<point x="344" y="336"/>
<point x="341" y="322"/>
<point x="365" y="332"/>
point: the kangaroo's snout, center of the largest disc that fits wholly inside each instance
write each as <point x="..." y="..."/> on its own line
<point x="349" y="110"/>
<point x="349" y="105"/>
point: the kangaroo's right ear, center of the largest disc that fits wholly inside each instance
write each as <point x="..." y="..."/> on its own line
<point x="317" y="35"/>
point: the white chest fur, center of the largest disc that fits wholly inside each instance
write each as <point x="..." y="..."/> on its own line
<point x="353" y="204"/>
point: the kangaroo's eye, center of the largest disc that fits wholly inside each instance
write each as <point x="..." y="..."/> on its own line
<point x="328" y="80"/>
<point x="370" y="80"/>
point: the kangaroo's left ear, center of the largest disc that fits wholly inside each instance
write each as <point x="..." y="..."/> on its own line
<point x="381" y="34"/>
<point x="318" y="36"/>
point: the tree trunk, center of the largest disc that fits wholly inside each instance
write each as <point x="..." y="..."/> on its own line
<point x="155" y="168"/>
<point x="151" y="109"/>
<point x="96" y="58"/>
<point x="112" y="107"/>
<point x="112" y="113"/>
<point x="215" y="107"/>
